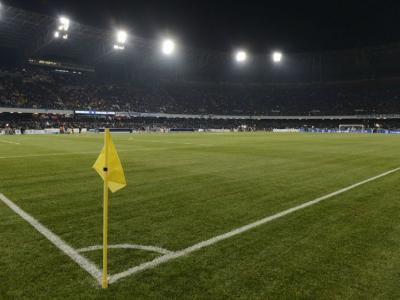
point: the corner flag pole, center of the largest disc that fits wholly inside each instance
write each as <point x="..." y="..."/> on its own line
<point x="108" y="166"/>
<point x="104" y="280"/>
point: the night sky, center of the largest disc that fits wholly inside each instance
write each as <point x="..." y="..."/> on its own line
<point x="259" y="26"/>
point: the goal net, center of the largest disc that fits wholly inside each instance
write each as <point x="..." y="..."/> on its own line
<point x="351" y="128"/>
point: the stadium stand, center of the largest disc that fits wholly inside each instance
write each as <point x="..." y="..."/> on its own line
<point x="53" y="79"/>
<point x="40" y="88"/>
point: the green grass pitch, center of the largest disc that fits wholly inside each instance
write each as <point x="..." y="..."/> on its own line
<point x="187" y="188"/>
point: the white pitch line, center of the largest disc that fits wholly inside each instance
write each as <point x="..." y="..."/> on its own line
<point x="53" y="154"/>
<point x="174" y="255"/>
<point x="126" y="246"/>
<point x="176" y="143"/>
<point x="54" y="239"/>
<point x="9" y="142"/>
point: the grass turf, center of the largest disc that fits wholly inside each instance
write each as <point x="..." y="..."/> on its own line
<point x="186" y="188"/>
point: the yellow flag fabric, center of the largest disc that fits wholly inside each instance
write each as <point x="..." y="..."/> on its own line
<point x="116" y="177"/>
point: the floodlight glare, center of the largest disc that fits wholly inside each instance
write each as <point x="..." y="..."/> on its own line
<point x="277" y="57"/>
<point x="241" y="56"/>
<point x="168" y="47"/>
<point x="122" y="36"/>
<point x="56" y="34"/>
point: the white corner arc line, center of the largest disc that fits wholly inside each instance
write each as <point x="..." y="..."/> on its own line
<point x="54" y="239"/>
<point x="126" y="246"/>
<point x="168" y="257"/>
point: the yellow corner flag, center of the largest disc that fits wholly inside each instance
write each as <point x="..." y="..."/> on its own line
<point x="110" y="169"/>
<point x="109" y="159"/>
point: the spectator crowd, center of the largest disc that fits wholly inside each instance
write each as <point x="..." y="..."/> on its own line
<point x="33" y="87"/>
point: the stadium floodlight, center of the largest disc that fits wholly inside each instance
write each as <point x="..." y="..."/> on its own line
<point x="62" y="29"/>
<point x="121" y="38"/>
<point x="277" y="57"/>
<point x="168" y="47"/>
<point x="241" y="56"/>
<point x="118" y="47"/>
<point x="64" y="24"/>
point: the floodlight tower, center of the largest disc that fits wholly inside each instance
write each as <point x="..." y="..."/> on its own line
<point x="121" y="38"/>
<point x="63" y="28"/>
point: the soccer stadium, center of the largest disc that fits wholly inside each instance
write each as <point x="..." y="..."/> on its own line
<point x="136" y="165"/>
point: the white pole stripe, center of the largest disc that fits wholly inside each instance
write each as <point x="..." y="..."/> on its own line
<point x="54" y="239"/>
<point x="165" y="258"/>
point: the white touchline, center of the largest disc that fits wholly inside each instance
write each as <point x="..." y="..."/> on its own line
<point x="53" y="154"/>
<point x="57" y="241"/>
<point x="170" y="142"/>
<point x="9" y="142"/>
<point x="165" y="258"/>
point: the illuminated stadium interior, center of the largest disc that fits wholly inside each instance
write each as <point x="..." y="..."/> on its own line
<point x="246" y="150"/>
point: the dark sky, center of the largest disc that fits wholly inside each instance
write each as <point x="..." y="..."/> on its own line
<point x="259" y="26"/>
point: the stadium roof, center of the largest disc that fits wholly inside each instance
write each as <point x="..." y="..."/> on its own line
<point x="33" y="34"/>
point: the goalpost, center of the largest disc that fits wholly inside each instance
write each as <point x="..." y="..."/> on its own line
<point x="351" y="128"/>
